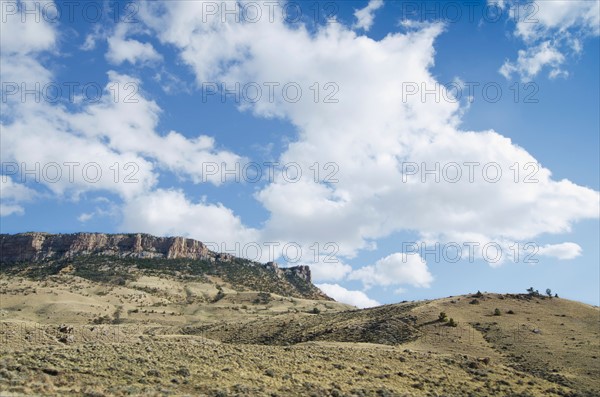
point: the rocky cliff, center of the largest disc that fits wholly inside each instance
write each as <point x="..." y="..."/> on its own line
<point x="37" y="247"/>
<point x="33" y="247"/>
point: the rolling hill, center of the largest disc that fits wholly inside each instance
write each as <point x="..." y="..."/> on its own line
<point x="101" y="315"/>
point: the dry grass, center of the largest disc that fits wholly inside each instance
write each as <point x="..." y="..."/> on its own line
<point x="174" y="338"/>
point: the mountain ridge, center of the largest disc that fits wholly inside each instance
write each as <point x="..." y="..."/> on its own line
<point x="141" y="248"/>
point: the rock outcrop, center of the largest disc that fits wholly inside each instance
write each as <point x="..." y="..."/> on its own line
<point x="34" y="247"/>
<point x="302" y="271"/>
<point x="38" y="247"/>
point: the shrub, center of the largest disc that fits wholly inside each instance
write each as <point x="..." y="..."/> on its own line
<point x="117" y="315"/>
<point x="270" y="372"/>
<point x="443" y="317"/>
<point x="220" y="295"/>
<point x="262" y="298"/>
<point x="497" y="312"/>
<point x="510" y="312"/>
<point x="102" y="320"/>
<point x="315" y="310"/>
<point x="474" y="302"/>
<point x="533" y="292"/>
<point x="452" y="323"/>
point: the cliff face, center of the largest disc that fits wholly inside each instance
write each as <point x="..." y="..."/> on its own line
<point x="36" y="247"/>
<point x="301" y="272"/>
<point x="41" y="246"/>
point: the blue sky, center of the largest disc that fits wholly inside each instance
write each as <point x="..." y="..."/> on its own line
<point x="147" y="113"/>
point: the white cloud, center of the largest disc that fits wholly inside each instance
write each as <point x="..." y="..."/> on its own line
<point x="121" y="49"/>
<point x="86" y="216"/>
<point x="170" y="83"/>
<point x="531" y="61"/>
<point x="562" y="251"/>
<point x="21" y="39"/>
<point x="98" y="33"/>
<point x="118" y="132"/>
<point x="329" y="269"/>
<point x="42" y="138"/>
<point x="113" y="134"/>
<point x="130" y="126"/>
<point x="12" y="194"/>
<point x="24" y="36"/>
<point x="11" y="209"/>
<point x="369" y="133"/>
<point x="169" y="212"/>
<point x="365" y="16"/>
<point x="552" y="31"/>
<point x="395" y="269"/>
<point x="341" y="294"/>
<point x="538" y="20"/>
<point x="130" y="50"/>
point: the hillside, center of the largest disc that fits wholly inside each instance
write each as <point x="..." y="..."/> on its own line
<point x="119" y="258"/>
<point x="104" y="322"/>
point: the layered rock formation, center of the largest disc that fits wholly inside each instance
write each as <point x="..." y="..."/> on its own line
<point x="37" y="247"/>
<point x="302" y="272"/>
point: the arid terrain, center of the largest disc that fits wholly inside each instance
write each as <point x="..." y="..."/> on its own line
<point x="83" y="322"/>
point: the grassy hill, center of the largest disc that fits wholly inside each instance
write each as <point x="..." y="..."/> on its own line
<point x="239" y="274"/>
<point x="102" y="326"/>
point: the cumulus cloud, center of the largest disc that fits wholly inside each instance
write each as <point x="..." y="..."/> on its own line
<point x="130" y="125"/>
<point x="552" y="31"/>
<point x="84" y="217"/>
<point x="20" y="43"/>
<point x="12" y="194"/>
<point x="365" y="16"/>
<point x="327" y="268"/>
<point x="532" y="60"/>
<point x="370" y="132"/>
<point x="121" y="49"/>
<point x="341" y="294"/>
<point x="562" y="251"/>
<point x="170" y="212"/>
<point x="117" y="129"/>
<point x="395" y="269"/>
<point x="535" y="20"/>
<point x="28" y="36"/>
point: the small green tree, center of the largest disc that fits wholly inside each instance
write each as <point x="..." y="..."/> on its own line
<point x="452" y="323"/>
<point x="549" y="292"/>
<point x="497" y="312"/>
<point x="530" y="290"/>
<point x="220" y="295"/>
<point x="443" y="317"/>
